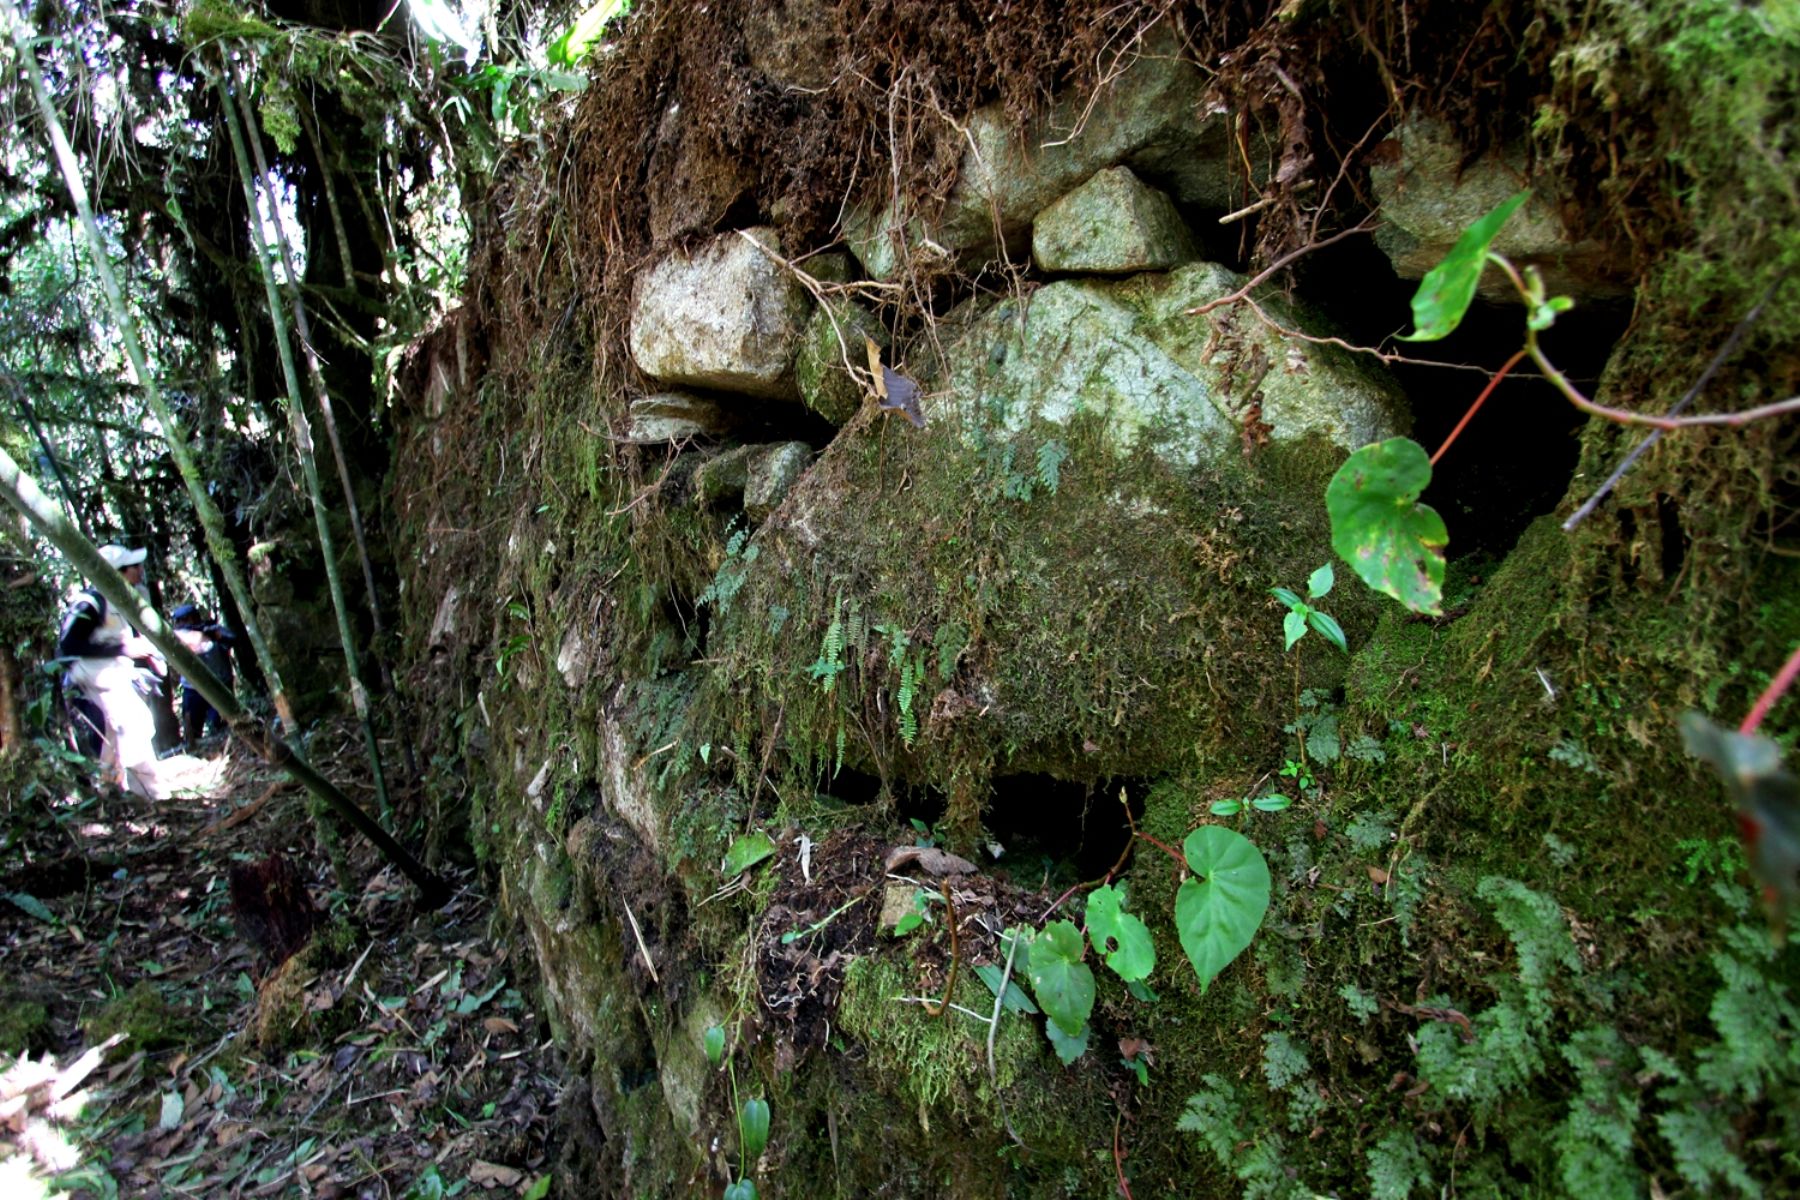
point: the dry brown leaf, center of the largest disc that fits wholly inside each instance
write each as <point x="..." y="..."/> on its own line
<point x="499" y="1025"/>
<point x="875" y="367"/>
<point x="933" y="860"/>
<point x="1377" y="875"/>
<point x="493" y="1175"/>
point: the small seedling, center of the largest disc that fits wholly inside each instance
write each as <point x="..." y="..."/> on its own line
<point x="1301" y="614"/>
<point x="1269" y="804"/>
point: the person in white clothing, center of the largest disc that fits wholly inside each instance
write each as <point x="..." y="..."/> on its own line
<point x="117" y="669"/>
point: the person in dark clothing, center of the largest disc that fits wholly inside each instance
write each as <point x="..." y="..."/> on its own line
<point x="212" y="643"/>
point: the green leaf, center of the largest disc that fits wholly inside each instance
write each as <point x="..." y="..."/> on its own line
<point x="1067" y="1048"/>
<point x="1294" y="626"/>
<point x="1274" y="802"/>
<point x="1219" y="910"/>
<point x="1227" y="808"/>
<point x="578" y="40"/>
<point x="753" y="1128"/>
<point x="172" y="1108"/>
<point x="540" y="1189"/>
<point x="1287" y="597"/>
<point x="1016" y="999"/>
<point x="1543" y="316"/>
<point x="31" y="906"/>
<point x="746" y="852"/>
<point x="713" y="1042"/>
<point x="743" y="1189"/>
<point x="1395" y="544"/>
<point x="1119" y="935"/>
<point x="1321" y="582"/>
<point x="1063" y="983"/>
<point x="1767" y="796"/>
<point x="1327" y="627"/>
<point x="1445" y="292"/>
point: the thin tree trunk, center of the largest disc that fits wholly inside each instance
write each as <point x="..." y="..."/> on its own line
<point x="303" y="447"/>
<point x="12" y="728"/>
<point x="217" y="541"/>
<point x="23" y="493"/>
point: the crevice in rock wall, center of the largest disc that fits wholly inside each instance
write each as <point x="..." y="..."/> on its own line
<point x="1059" y="829"/>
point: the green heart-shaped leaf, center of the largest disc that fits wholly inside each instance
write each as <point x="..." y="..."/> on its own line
<point x="753" y="1128"/>
<point x="713" y="1041"/>
<point x="1219" y="910"/>
<point x="1132" y="954"/>
<point x="1379" y="527"/>
<point x="746" y="852"/>
<point x="1063" y="983"/>
<point x="1067" y="1048"/>
<point x="1445" y="292"/>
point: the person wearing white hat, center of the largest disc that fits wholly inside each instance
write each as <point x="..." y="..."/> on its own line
<point x="116" y="668"/>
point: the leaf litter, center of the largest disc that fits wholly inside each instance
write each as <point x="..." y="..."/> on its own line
<point x="403" y="1059"/>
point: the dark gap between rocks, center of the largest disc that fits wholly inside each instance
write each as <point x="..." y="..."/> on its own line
<point x="1514" y="461"/>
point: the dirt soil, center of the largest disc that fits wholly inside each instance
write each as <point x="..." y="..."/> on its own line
<point x="397" y="1055"/>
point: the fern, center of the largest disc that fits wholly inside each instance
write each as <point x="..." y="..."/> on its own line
<point x="1701" y="1137"/>
<point x="830" y="663"/>
<point x="911" y="669"/>
<point x="1593" y="1143"/>
<point x="1256" y="1157"/>
<point x="1050" y="458"/>
<point x="1283" y="1061"/>
<point x="1540" y="937"/>
<point x="1503" y="1058"/>
<point x="1397" y="1163"/>
<point x="729" y="579"/>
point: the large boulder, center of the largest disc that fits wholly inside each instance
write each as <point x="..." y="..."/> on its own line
<point x="1150" y="115"/>
<point x="1429" y="195"/>
<point x="1114" y="224"/>
<point x="727" y="317"/>
<point x="1191" y="388"/>
<point x="1041" y="579"/>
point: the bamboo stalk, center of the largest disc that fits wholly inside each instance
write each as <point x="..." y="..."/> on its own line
<point x="303" y="448"/>
<point x="316" y="377"/>
<point x="218" y="542"/>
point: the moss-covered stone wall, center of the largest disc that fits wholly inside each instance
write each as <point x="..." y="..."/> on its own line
<point x="1511" y="948"/>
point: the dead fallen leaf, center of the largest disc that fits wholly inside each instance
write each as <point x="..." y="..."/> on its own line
<point x="493" y="1175"/>
<point x="933" y="860"/>
<point x="1377" y="875"/>
<point x="499" y="1025"/>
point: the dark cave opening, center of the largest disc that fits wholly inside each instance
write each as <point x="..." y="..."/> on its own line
<point x="1515" y="459"/>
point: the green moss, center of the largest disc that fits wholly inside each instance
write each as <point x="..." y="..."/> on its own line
<point x="144" y="1014"/>
<point x="24" y="1026"/>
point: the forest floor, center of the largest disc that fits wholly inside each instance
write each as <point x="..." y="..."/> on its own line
<point x="399" y="1056"/>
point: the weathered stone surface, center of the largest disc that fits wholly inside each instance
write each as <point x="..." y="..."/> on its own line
<point x="1150" y="116"/>
<point x="1114" y="224"/>
<point x="1128" y="353"/>
<point x="727" y="317"/>
<point x="719" y="481"/>
<point x="772" y="472"/>
<point x="1428" y="197"/>
<point x="676" y="417"/>
<point x="834" y="333"/>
